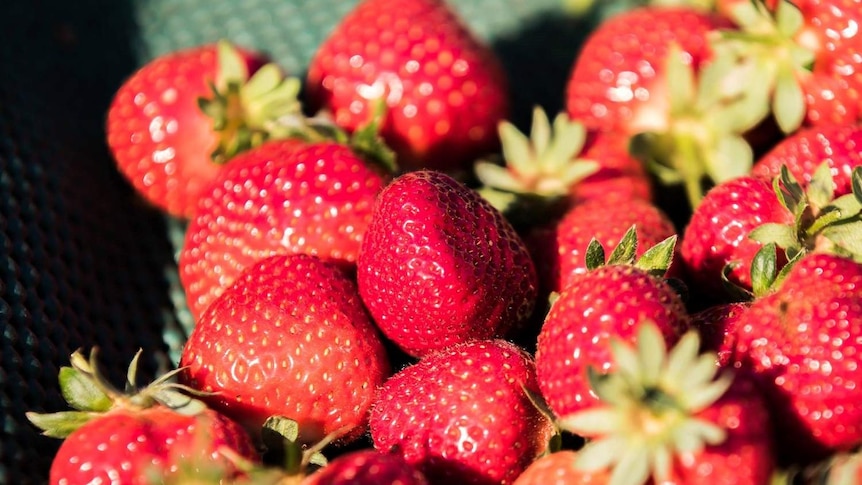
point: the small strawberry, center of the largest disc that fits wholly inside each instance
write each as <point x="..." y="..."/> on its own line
<point x="444" y="91"/>
<point x="599" y="305"/>
<point x="439" y="265"/>
<point x="174" y="123"/>
<point x="803" y="342"/>
<point x="666" y="415"/>
<point x="462" y="415"/>
<point x="289" y="338"/>
<point x="559" y="468"/>
<point x="805" y="53"/>
<point x="139" y="437"/>
<point x="367" y="467"/>
<point x="805" y="150"/>
<point x="286" y="197"/>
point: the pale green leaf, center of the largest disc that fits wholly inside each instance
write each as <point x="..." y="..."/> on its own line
<point x="680" y="79"/>
<point x="180" y="402"/>
<point x="263" y="81"/>
<point x="62" y="424"/>
<point x="540" y="131"/>
<point x="625" y="250"/>
<point x="601" y="453"/>
<point x="708" y="394"/>
<point x="788" y="18"/>
<point x="516" y="150"/>
<point x="784" y="236"/>
<point x="846" y="236"/>
<point x="82" y="392"/>
<point x="821" y="189"/>
<point x="632" y="468"/>
<point x="595" y="421"/>
<point x="626" y="360"/>
<point x="652" y="350"/>
<point x="681" y="357"/>
<point x="493" y="175"/>
<point x="788" y="105"/>
<point x="231" y="66"/>
<point x="287" y="428"/>
<point x="847" y="206"/>
<point x="731" y="157"/>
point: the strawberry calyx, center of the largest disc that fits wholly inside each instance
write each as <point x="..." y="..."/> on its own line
<point x="650" y="405"/>
<point x="91" y="395"/>
<point x="655" y="260"/>
<point x="773" y="43"/>
<point x="537" y="171"/>
<point x="700" y="141"/>
<point x="248" y="110"/>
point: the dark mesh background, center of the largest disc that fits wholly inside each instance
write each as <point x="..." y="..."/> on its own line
<point x="82" y="261"/>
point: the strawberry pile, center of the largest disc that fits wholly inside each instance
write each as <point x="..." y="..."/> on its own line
<point x="392" y="283"/>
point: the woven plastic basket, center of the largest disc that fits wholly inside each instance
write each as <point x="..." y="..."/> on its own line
<point x="83" y="262"/>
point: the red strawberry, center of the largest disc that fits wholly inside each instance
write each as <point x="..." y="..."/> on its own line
<point x="805" y="53"/>
<point x="803" y="341"/>
<point x="805" y="150"/>
<point x="439" y="265"/>
<point x="290" y="338"/>
<point x="665" y="414"/>
<point x="618" y="81"/>
<point x="462" y="415"/>
<point x="559" y="468"/>
<point x="443" y="90"/>
<point x="167" y="146"/>
<point x="283" y="197"/>
<point x="607" y="302"/>
<point x="367" y="467"/>
<point x="718" y="326"/>
<point x="146" y="436"/>
<point x="718" y="233"/>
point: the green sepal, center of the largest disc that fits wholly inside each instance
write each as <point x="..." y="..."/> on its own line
<point x="846" y="239"/>
<point x="594" y="256"/>
<point x="625" y="250"/>
<point x="764" y="269"/>
<point x="788" y="104"/>
<point x="81" y="392"/>
<point x="283" y="434"/>
<point x="366" y="140"/>
<point x="658" y="259"/>
<point x="771" y="232"/>
<point x="60" y="425"/>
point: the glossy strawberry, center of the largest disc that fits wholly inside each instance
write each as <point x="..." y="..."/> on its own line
<point x="806" y="149"/>
<point x="283" y="197"/>
<point x="802" y="340"/>
<point x="167" y="146"/>
<point x="141" y="436"/>
<point x="367" y="467"/>
<point x="560" y="467"/>
<point x="444" y="91"/>
<point x="439" y="265"/>
<point x="289" y="338"/>
<point x="674" y="416"/>
<point x="719" y="229"/>
<point x="596" y="306"/>
<point x="462" y="415"/>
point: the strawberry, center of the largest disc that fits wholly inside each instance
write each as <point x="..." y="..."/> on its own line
<point x="143" y="436"/>
<point x="803" y="151"/>
<point x="805" y="52"/>
<point x="367" y="467"/>
<point x="462" y="415"/>
<point x="596" y="306"/>
<point x="444" y="92"/>
<point x="559" y="468"/>
<point x="439" y="265"/>
<point x="289" y="338"/>
<point x="167" y="146"/>
<point x="718" y="326"/>
<point x="718" y="233"/>
<point x="285" y="196"/>
<point x="802" y="341"/>
<point x="665" y="414"/>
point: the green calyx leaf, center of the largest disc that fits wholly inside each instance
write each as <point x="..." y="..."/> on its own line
<point x="366" y="140"/>
<point x="249" y="110"/>
<point x="655" y="260"/>
<point x="284" y="434"/>
<point x="649" y="402"/>
<point x="544" y="164"/>
<point x="60" y="425"/>
<point x="81" y="392"/>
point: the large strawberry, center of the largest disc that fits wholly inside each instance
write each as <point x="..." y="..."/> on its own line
<point x="666" y="415"/>
<point x="599" y="305"/>
<point x="443" y="91"/>
<point x="805" y="51"/>
<point x="803" y="341"/>
<point x="368" y="467"/>
<point x="143" y="436"/>
<point x="289" y="338"/>
<point x="180" y="117"/>
<point x="285" y="196"/>
<point x="463" y="415"/>
<point x="439" y="265"/>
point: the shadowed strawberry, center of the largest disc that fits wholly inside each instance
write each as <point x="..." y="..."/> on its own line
<point x="558" y="468"/>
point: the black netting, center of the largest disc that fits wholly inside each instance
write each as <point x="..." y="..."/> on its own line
<point x="82" y="261"/>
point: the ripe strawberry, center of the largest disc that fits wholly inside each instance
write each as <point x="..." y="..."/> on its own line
<point x="444" y="91"/>
<point x="805" y="150"/>
<point x="596" y="306"/>
<point x="718" y="326"/>
<point x="559" y="250"/>
<point x="803" y="342"/>
<point x="617" y="82"/>
<point x="665" y="414"/>
<point x="367" y="467"/>
<point x="167" y="146"/>
<point x="439" y="265"/>
<point x="282" y="197"/>
<point x="144" y="436"/>
<point x="806" y="53"/>
<point x="462" y="415"/>
<point x="559" y="468"/>
<point x="718" y="233"/>
<point x="289" y="338"/>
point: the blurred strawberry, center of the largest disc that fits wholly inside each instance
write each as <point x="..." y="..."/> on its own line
<point x="367" y="467"/>
<point x="560" y="467"/>
<point x="444" y="92"/>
